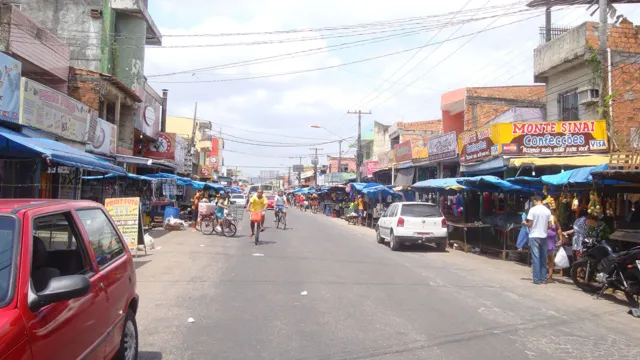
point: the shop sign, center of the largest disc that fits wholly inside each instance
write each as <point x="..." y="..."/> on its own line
<point x="102" y="135"/>
<point x="385" y="159"/>
<point x="52" y="111"/>
<point x="534" y="139"/>
<point x="164" y="148"/>
<point x="149" y="112"/>
<point x="205" y="172"/>
<point x="125" y="212"/>
<point x="10" y="82"/>
<point x="443" y="146"/>
<point x="212" y="161"/>
<point x="403" y="151"/>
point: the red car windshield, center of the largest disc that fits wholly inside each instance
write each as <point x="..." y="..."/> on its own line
<point x="271" y="197"/>
<point x="7" y="260"/>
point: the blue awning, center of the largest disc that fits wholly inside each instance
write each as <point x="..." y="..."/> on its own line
<point x="374" y="191"/>
<point x="19" y="145"/>
<point x="493" y="184"/>
<point x="576" y="177"/>
<point x="110" y="176"/>
<point x="446" y="184"/>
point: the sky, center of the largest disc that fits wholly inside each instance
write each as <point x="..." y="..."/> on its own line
<point x="393" y="58"/>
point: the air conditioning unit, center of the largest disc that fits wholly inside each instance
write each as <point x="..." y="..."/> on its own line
<point x="588" y="95"/>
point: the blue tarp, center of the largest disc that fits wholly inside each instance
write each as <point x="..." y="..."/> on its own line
<point x="373" y="192"/>
<point x="186" y="181"/>
<point x="449" y="183"/>
<point x="493" y="184"/>
<point x="233" y="189"/>
<point x="362" y="186"/>
<point x="575" y="177"/>
<point x="110" y="176"/>
<point x="19" y="145"/>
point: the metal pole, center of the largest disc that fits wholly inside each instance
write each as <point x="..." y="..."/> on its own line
<point x="547" y="22"/>
<point x="163" y="119"/>
<point x="358" y="152"/>
<point x="37" y="178"/>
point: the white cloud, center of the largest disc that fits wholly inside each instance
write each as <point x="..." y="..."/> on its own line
<point x="288" y="105"/>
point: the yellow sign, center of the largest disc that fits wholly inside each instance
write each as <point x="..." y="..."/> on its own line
<point x="420" y="152"/>
<point x="125" y="212"/>
<point x="534" y="139"/>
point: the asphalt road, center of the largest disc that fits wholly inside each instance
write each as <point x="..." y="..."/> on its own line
<point x="363" y="302"/>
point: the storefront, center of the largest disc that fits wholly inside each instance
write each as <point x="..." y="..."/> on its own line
<point x="495" y="148"/>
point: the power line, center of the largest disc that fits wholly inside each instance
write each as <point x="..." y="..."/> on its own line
<point x="340" y="65"/>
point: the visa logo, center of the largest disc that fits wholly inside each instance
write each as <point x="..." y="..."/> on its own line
<point x="597" y="144"/>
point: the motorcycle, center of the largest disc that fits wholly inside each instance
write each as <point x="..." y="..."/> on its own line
<point x="602" y="268"/>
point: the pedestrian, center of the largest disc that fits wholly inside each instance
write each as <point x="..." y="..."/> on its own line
<point x="538" y="222"/>
<point x="360" y="209"/>
<point x="196" y="202"/>
<point x="554" y="237"/>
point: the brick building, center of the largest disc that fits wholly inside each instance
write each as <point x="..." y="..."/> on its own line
<point x="568" y="66"/>
<point x="348" y="164"/>
<point x="470" y="108"/>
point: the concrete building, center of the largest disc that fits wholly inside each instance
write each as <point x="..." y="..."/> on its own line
<point x="106" y="42"/>
<point x="568" y="66"/>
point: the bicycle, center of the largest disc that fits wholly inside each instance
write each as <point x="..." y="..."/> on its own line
<point x="257" y="217"/>
<point x="315" y="207"/>
<point x="280" y="218"/>
<point x="208" y="224"/>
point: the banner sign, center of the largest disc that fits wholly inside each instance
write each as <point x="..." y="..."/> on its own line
<point x="52" y="111"/>
<point x="102" y="135"/>
<point x="403" y="151"/>
<point x="534" y="139"/>
<point x="215" y="147"/>
<point x="443" y="146"/>
<point x="125" y="212"/>
<point x="205" y="172"/>
<point x="10" y="82"/>
<point x="371" y="167"/>
<point x="148" y="113"/>
<point x="297" y="168"/>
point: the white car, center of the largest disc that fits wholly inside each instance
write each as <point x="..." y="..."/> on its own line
<point x="412" y="223"/>
<point x="239" y="199"/>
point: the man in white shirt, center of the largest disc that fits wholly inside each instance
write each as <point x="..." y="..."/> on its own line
<point x="538" y="223"/>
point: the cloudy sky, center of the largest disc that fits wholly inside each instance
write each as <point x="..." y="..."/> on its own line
<point x="394" y="58"/>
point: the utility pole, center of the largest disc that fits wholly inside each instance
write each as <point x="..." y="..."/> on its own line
<point x="602" y="49"/>
<point x="359" y="152"/>
<point x="339" y="155"/>
<point x="192" y="143"/>
<point x="314" y="162"/>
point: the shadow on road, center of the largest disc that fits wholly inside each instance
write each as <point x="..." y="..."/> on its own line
<point x="140" y="263"/>
<point x="266" y="242"/>
<point x="419" y="248"/>
<point x="150" y="355"/>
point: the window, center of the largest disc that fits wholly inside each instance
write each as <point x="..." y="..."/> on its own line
<point x="57" y="235"/>
<point x="393" y="210"/>
<point x="568" y="106"/>
<point x="105" y="241"/>
<point x="420" y="210"/>
<point x="271" y="197"/>
<point x="7" y="241"/>
<point x="237" y="197"/>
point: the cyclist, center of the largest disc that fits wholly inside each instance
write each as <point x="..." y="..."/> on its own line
<point x="280" y="202"/>
<point x="257" y="203"/>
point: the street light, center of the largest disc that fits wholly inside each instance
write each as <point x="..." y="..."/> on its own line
<point x="339" y="144"/>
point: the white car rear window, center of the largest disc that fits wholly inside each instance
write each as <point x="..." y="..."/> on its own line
<point x="237" y="196"/>
<point x="420" y="210"/>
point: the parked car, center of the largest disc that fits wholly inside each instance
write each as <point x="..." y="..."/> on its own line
<point x="271" y="201"/>
<point x="239" y="199"/>
<point x="67" y="282"/>
<point x="412" y="223"/>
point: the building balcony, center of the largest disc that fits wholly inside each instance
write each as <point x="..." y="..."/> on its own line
<point x="139" y="8"/>
<point x="563" y="52"/>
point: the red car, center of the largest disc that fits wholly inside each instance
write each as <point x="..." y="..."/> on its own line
<point x="67" y="283"/>
<point x="271" y="202"/>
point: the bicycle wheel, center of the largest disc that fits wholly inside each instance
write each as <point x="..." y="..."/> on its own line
<point x="284" y="222"/>
<point x="277" y="220"/>
<point x="207" y="225"/>
<point x="229" y="229"/>
<point x="257" y="236"/>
